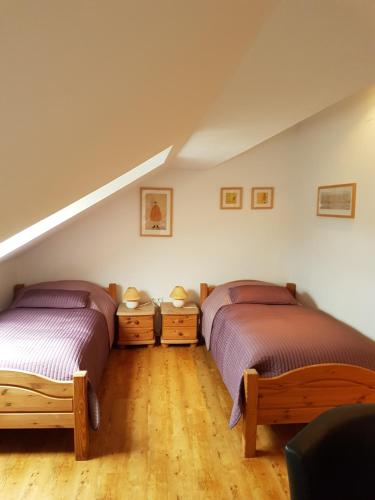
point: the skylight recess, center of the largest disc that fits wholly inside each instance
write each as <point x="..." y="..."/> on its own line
<point x="39" y="228"/>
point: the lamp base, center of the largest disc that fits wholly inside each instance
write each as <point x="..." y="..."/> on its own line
<point x="131" y="304"/>
<point x="178" y="302"/>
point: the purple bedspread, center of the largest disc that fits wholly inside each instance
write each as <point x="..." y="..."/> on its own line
<point x="274" y="339"/>
<point x="217" y="299"/>
<point x="57" y="343"/>
<point x="98" y="298"/>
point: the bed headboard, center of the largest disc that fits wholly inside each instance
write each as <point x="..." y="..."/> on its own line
<point x="16" y="288"/>
<point x="111" y="289"/>
<point x="205" y="290"/>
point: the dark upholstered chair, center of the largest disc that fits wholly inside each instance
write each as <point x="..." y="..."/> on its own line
<point x="333" y="457"/>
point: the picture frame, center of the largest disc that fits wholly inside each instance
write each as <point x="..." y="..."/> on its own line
<point x="262" y="198"/>
<point x="337" y="200"/>
<point x="156" y="211"/>
<point x="231" y="198"/>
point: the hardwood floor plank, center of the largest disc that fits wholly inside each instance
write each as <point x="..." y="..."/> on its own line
<point x="164" y="435"/>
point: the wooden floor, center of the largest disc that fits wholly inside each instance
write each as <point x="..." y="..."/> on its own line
<point x="164" y="435"/>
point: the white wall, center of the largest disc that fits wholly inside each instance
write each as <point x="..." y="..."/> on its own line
<point x="208" y="244"/>
<point x="333" y="260"/>
<point x="8" y="278"/>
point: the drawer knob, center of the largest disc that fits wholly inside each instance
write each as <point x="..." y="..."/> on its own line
<point x="132" y="321"/>
<point x="180" y="321"/>
<point x="180" y="334"/>
<point x="137" y="335"/>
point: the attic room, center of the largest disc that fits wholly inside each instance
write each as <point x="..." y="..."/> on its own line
<point x="186" y="249"/>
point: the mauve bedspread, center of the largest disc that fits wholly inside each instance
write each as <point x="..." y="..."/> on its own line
<point x="98" y="298"/>
<point x="58" y="342"/>
<point x="274" y="339"/>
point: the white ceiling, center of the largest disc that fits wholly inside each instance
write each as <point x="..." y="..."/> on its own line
<point x="92" y="88"/>
<point x="308" y="55"/>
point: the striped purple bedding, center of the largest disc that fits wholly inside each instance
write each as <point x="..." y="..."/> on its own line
<point x="56" y="342"/>
<point x="275" y="339"/>
<point x="98" y="298"/>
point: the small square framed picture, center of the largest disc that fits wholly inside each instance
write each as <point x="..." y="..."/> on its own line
<point x="262" y="197"/>
<point x="337" y="200"/>
<point x="231" y="197"/>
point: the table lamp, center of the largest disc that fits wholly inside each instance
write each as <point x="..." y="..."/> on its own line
<point x="131" y="297"/>
<point x="179" y="296"/>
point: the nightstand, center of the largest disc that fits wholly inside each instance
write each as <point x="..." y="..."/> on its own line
<point x="179" y="324"/>
<point x="136" y="326"/>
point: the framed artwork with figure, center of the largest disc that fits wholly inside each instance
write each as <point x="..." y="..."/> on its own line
<point x="156" y="211"/>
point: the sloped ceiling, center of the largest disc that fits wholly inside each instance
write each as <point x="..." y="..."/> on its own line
<point x="307" y="56"/>
<point x="91" y="88"/>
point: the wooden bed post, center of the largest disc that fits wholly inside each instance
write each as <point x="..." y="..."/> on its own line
<point x="81" y="422"/>
<point x="203" y="292"/>
<point x="112" y="291"/>
<point x="250" y="413"/>
<point x="292" y="288"/>
<point x="17" y="288"/>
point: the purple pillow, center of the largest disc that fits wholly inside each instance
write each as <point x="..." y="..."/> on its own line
<point x="260" y="294"/>
<point x="53" y="299"/>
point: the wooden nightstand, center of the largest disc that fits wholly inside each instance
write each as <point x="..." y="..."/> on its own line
<point x="179" y="324"/>
<point x="136" y="326"/>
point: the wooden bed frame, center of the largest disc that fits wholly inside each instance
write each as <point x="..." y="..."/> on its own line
<point x="300" y="395"/>
<point x="30" y="401"/>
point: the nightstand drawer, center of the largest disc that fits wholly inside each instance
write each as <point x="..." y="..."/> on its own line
<point x="186" y="333"/>
<point x="136" y="321"/>
<point x="135" y="334"/>
<point x="180" y="320"/>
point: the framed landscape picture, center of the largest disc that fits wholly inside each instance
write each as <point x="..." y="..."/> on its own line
<point x="156" y="211"/>
<point x="231" y="197"/>
<point x="337" y="200"/>
<point x="262" y="197"/>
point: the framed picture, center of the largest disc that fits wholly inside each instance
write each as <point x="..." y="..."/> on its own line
<point x="156" y="211"/>
<point x="231" y="198"/>
<point x="262" y="197"/>
<point x="337" y="200"/>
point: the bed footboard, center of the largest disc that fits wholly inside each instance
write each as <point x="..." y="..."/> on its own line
<point x="250" y="413"/>
<point x="81" y="420"/>
<point x="30" y="401"/>
<point x="300" y="395"/>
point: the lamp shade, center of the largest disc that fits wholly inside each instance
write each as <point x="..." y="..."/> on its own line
<point x="131" y="294"/>
<point x="178" y="293"/>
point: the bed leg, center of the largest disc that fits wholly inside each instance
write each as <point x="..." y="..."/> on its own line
<point x="250" y="413"/>
<point x="81" y="421"/>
